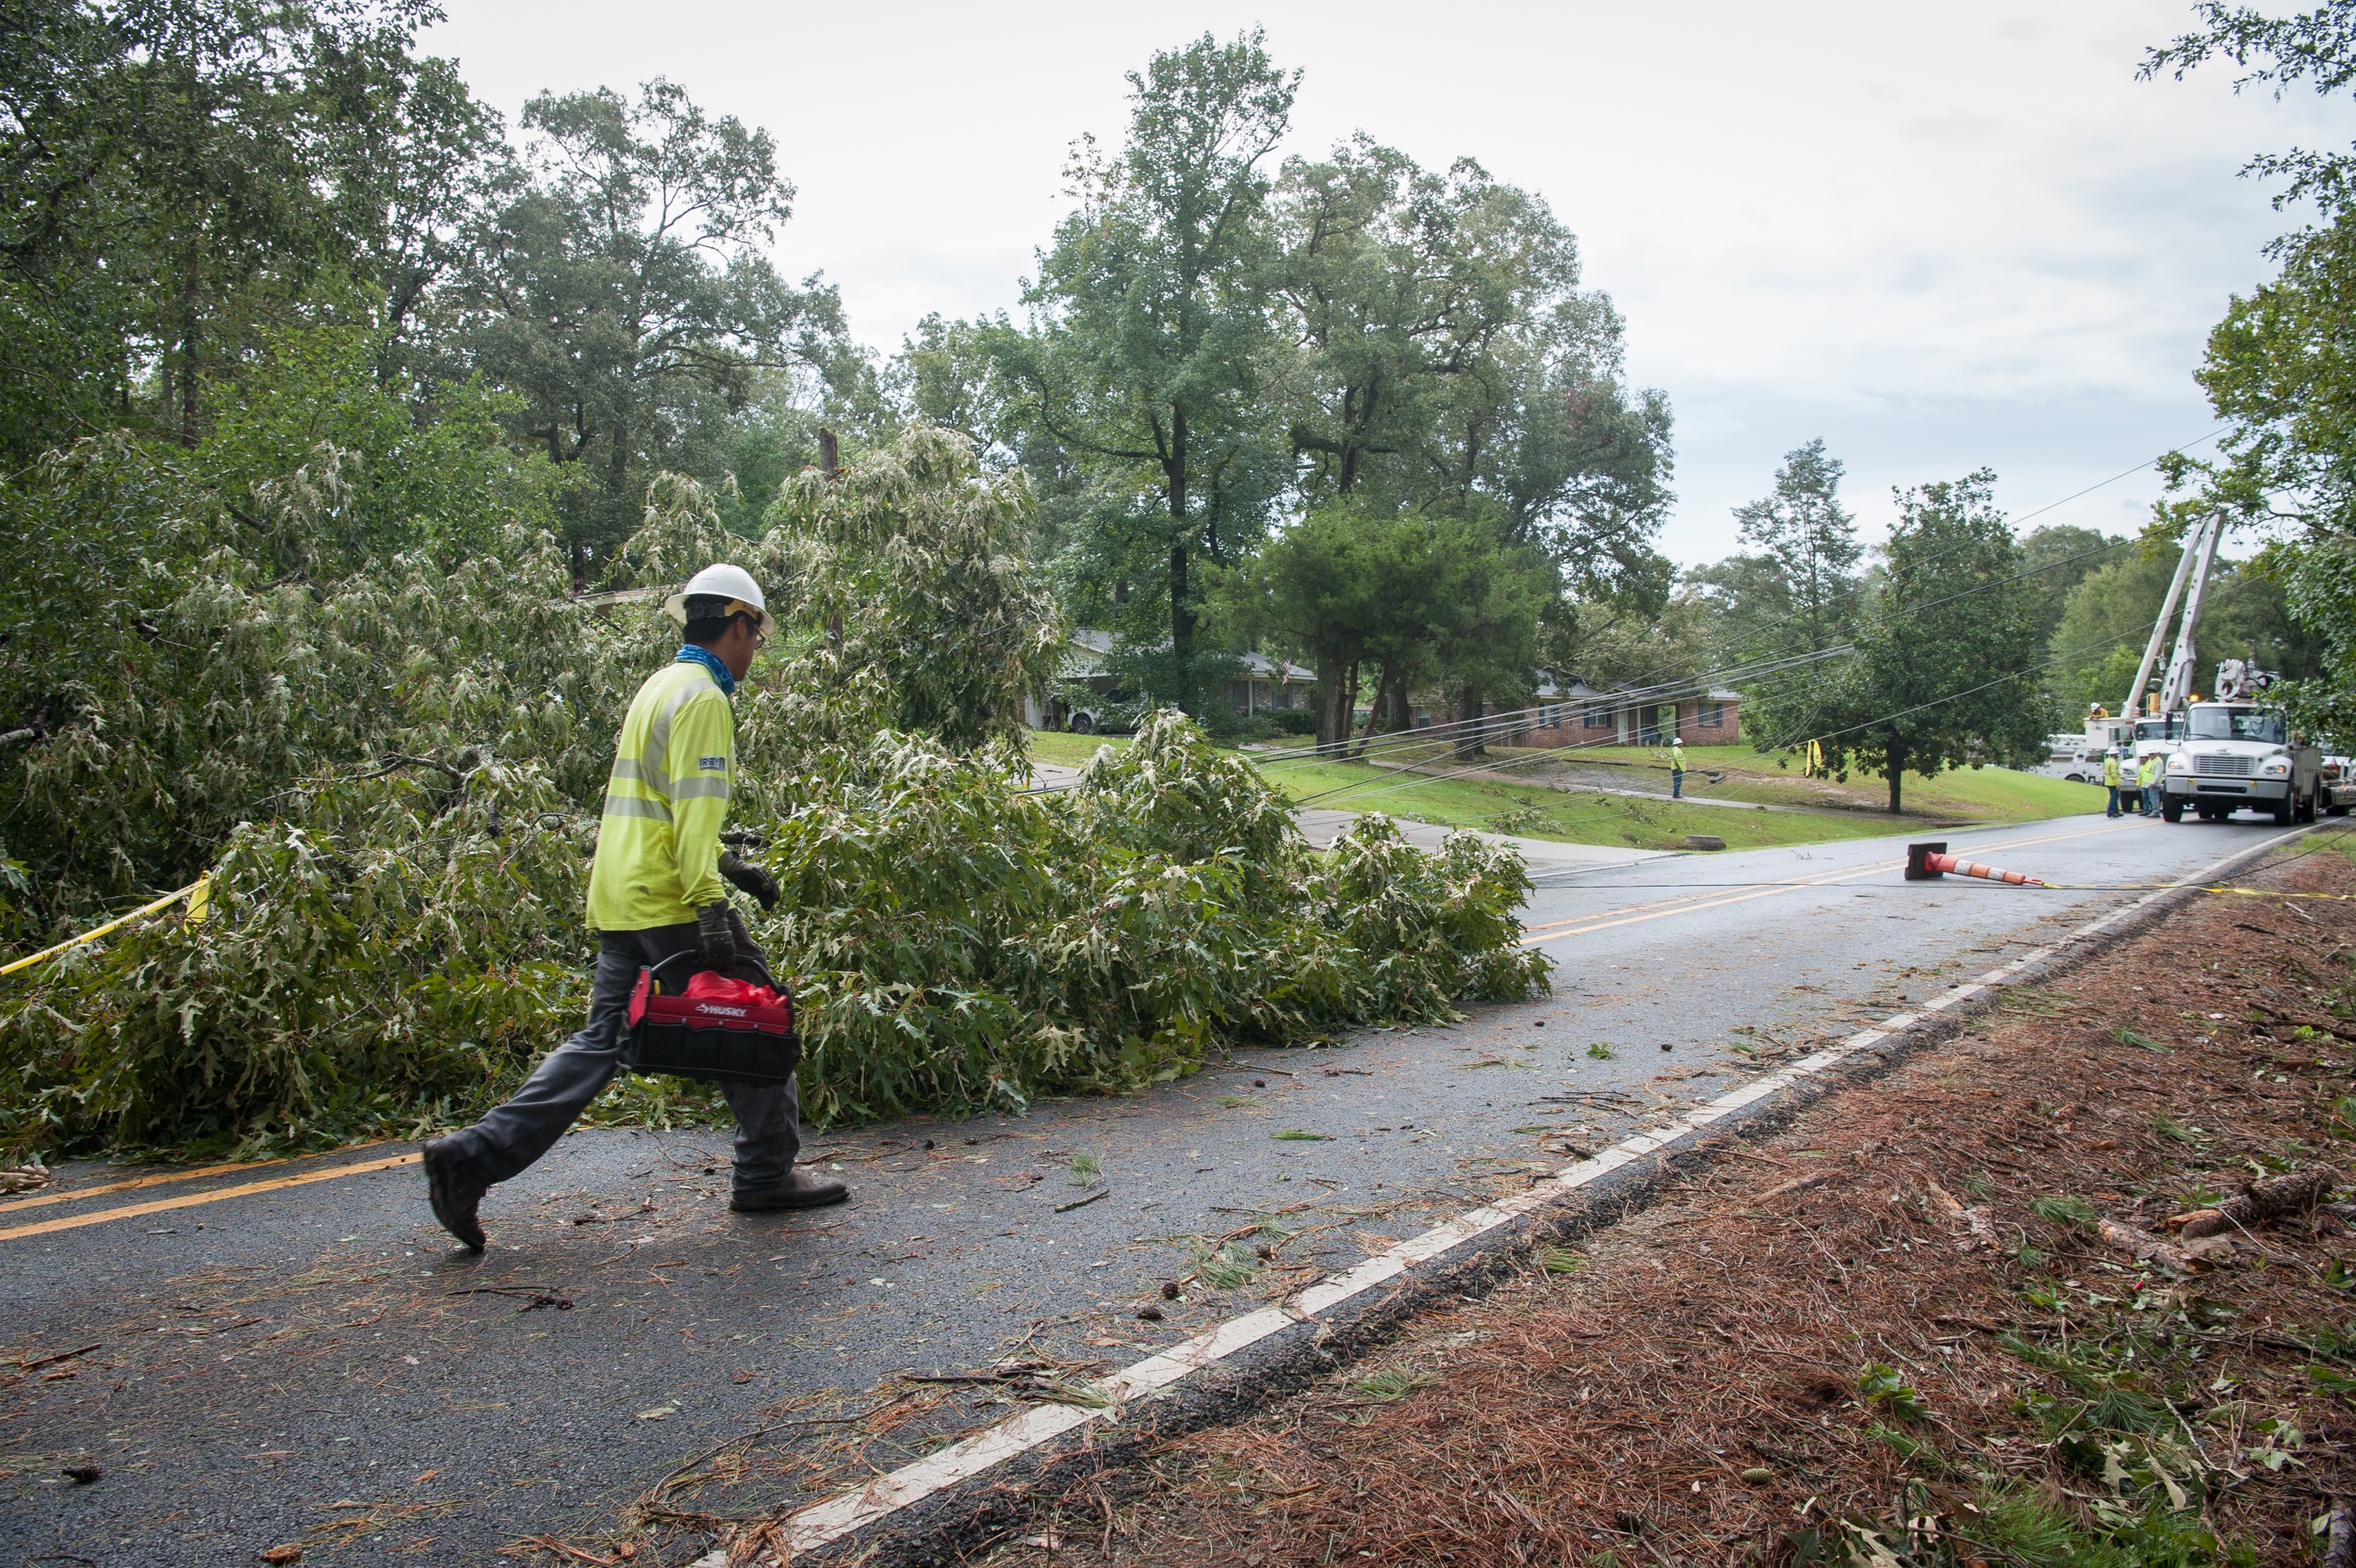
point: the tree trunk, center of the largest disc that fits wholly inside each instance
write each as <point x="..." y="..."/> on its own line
<point x="1378" y="710"/>
<point x="1401" y="717"/>
<point x="1472" y="736"/>
<point x="1894" y="769"/>
<point x="1181" y="613"/>
<point x="189" y="328"/>
<point x="617" y="466"/>
<point x="1332" y="718"/>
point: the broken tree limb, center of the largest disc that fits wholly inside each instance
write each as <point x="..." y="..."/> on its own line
<point x="2276" y="1198"/>
<point x="1979" y="1230"/>
<point x="1798" y="1183"/>
<point x="61" y="1355"/>
<point x="2145" y="1248"/>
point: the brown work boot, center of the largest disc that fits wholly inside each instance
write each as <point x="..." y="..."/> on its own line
<point x="799" y="1190"/>
<point x="453" y="1193"/>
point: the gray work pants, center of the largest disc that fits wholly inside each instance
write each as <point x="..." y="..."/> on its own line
<point x="509" y="1138"/>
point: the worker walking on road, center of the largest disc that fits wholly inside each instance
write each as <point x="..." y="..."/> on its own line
<point x="1676" y="767"/>
<point x="2147" y="782"/>
<point x="2110" y="777"/>
<point x="655" y="891"/>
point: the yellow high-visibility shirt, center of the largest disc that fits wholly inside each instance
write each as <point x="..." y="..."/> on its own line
<point x="2148" y="771"/>
<point x="658" y="840"/>
<point x="2110" y="770"/>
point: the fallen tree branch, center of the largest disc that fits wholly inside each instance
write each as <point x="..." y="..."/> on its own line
<point x="62" y="1355"/>
<point x="2275" y="1197"/>
<point x="1798" y="1183"/>
<point x="2146" y="1247"/>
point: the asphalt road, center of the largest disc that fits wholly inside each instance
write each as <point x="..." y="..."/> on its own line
<point x="314" y="1364"/>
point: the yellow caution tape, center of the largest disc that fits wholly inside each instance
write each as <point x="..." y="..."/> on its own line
<point x="2270" y="892"/>
<point x="2246" y="892"/>
<point x="198" y="894"/>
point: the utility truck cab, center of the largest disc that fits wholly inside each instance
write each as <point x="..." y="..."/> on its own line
<point x="2160" y="735"/>
<point x="2237" y="755"/>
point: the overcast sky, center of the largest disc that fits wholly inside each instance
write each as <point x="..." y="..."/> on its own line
<point x="1940" y="237"/>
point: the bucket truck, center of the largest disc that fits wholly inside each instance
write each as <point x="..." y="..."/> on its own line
<point x="2234" y="752"/>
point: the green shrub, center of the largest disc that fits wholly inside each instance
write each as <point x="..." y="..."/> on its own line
<point x="393" y="767"/>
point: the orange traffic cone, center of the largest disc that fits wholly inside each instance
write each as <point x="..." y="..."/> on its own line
<point x="1929" y="862"/>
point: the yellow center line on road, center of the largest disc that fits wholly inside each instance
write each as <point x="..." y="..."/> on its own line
<point x="11" y="1205"/>
<point x="191" y="1201"/>
<point x="1595" y="922"/>
<point x="1581" y="925"/>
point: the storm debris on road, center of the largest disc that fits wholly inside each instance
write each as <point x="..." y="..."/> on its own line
<point x="1904" y="1328"/>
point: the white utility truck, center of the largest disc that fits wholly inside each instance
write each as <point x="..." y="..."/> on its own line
<point x="2242" y="756"/>
<point x="2075" y="758"/>
<point x="2234" y="753"/>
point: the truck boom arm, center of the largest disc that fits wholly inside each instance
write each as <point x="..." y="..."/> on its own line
<point x="2178" y="687"/>
<point x="2133" y="703"/>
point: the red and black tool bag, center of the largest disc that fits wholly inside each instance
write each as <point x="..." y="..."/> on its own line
<point x="692" y="1022"/>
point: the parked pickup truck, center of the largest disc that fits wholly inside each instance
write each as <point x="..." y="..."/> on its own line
<point x="2339" y="784"/>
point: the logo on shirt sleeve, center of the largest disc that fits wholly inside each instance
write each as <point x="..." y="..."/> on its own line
<point x="713" y="764"/>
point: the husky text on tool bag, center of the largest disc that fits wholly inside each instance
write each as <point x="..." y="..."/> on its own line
<point x="697" y="1024"/>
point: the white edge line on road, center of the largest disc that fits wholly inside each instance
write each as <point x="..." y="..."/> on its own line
<point x="853" y="1511"/>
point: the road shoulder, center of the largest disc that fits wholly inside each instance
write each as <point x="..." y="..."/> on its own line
<point x="964" y="1494"/>
<point x="1935" y="1314"/>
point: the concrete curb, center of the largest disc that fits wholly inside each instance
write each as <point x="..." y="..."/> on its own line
<point x="964" y="1497"/>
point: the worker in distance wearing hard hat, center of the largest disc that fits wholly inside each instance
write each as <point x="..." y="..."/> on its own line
<point x="655" y="891"/>
<point x="2147" y="783"/>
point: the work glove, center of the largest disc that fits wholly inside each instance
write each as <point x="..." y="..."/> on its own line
<point x="750" y="878"/>
<point x="717" y="936"/>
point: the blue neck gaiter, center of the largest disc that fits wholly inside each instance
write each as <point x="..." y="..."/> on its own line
<point x="691" y="654"/>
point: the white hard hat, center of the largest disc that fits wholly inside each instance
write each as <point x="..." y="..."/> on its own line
<point x="733" y="583"/>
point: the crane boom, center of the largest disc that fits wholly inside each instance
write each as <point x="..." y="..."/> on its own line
<point x="2177" y="688"/>
<point x="2133" y="703"/>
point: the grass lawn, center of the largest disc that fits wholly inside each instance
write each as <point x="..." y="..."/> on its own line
<point x="1574" y="817"/>
<point x="1844" y="811"/>
<point x="1072" y="751"/>
<point x="1990" y="795"/>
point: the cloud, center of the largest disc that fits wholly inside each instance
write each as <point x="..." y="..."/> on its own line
<point x="1940" y="236"/>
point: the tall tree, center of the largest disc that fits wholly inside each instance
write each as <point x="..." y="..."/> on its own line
<point x="1945" y="668"/>
<point x="1414" y="595"/>
<point x="1149" y="333"/>
<point x="2277" y="366"/>
<point x="1801" y="526"/>
<point x="2100" y="635"/>
<point x="622" y="295"/>
<point x="1746" y="602"/>
<point x="2061" y="556"/>
<point x="907" y="555"/>
<point x="1447" y="360"/>
<point x="182" y="177"/>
